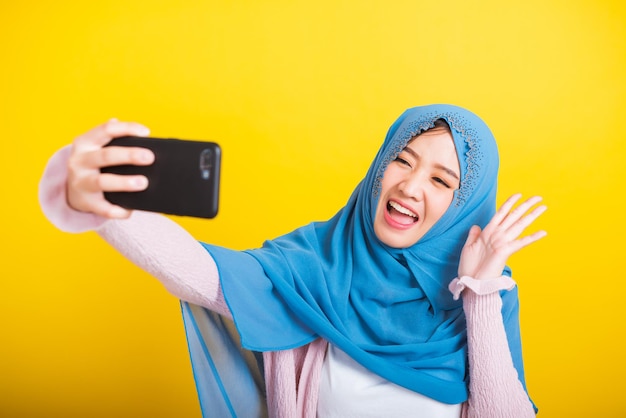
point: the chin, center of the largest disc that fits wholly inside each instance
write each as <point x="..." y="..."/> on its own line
<point x="395" y="240"/>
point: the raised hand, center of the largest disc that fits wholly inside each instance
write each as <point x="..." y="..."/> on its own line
<point x="86" y="184"/>
<point x="486" y="251"/>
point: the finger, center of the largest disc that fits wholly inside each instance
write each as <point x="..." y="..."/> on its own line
<point x="516" y="214"/>
<point x="119" y="183"/>
<point x="112" y="156"/>
<point x="118" y="212"/>
<point x="102" y="134"/>
<point x="509" y="203"/>
<point x="502" y="213"/>
<point x="472" y="235"/>
<point x="108" y="210"/>
<point x="106" y="182"/>
<point x="518" y="227"/>
<point x="115" y="128"/>
<point x="526" y="241"/>
<point x="96" y="203"/>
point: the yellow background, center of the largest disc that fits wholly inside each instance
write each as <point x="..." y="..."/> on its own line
<point x="300" y="94"/>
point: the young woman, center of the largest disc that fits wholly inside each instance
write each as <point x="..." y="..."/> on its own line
<point x="400" y="305"/>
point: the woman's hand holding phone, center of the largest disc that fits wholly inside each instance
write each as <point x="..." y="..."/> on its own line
<point x="115" y="168"/>
<point x="86" y="184"/>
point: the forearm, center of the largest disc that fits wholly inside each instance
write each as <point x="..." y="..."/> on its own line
<point x="164" y="249"/>
<point x="495" y="389"/>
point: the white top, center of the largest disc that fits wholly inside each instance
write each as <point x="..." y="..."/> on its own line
<point x="348" y="389"/>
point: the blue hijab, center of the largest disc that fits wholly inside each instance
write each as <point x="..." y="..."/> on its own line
<point x="387" y="308"/>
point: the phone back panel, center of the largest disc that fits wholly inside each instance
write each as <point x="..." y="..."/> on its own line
<point x="183" y="180"/>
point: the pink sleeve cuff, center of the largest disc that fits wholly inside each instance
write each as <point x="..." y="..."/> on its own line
<point x="53" y="199"/>
<point x="480" y="287"/>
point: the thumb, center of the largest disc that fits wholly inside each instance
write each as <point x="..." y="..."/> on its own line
<point x="473" y="235"/>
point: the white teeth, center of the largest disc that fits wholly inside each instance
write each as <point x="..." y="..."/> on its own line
<point x="402" y="209"/>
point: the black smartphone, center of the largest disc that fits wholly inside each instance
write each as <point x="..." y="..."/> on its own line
<point x="183" y="180"/>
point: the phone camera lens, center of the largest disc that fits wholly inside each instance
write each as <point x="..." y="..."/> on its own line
<point x="206" y="163"/>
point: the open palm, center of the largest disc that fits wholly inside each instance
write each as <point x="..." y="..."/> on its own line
<point x="486" y="251"/>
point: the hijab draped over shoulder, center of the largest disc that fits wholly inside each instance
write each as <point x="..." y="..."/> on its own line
<point x="389" y="309"/>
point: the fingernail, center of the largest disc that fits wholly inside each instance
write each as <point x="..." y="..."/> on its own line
<point x="146" y="156"/>
<point x="143" y="131"/>
<point x="140" y="182"/>
<point x="117" y="212"/>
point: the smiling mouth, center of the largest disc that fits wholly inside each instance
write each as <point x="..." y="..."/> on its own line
<point x="401" y="214"/>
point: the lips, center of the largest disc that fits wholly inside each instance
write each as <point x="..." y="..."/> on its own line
<point x="400" y="216"/>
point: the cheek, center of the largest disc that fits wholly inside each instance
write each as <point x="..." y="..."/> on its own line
<point x="441" y="204"/>
<point x="387" y="183"/>
<point x="391" y="177"/>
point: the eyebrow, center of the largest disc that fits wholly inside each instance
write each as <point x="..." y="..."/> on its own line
<point x="442" y="167"/>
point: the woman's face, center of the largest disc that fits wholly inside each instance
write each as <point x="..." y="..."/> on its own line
<point x="417" y="188"/>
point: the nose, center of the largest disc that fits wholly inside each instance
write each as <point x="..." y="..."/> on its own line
<point x="413" y="186"/>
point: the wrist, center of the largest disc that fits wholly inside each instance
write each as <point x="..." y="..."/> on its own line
<point x="480" y="286"/>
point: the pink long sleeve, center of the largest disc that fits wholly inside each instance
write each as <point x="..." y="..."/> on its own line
<point x="168" y="252"/>
<point x="495" y="389"/>
<point x="151" y="241"/>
